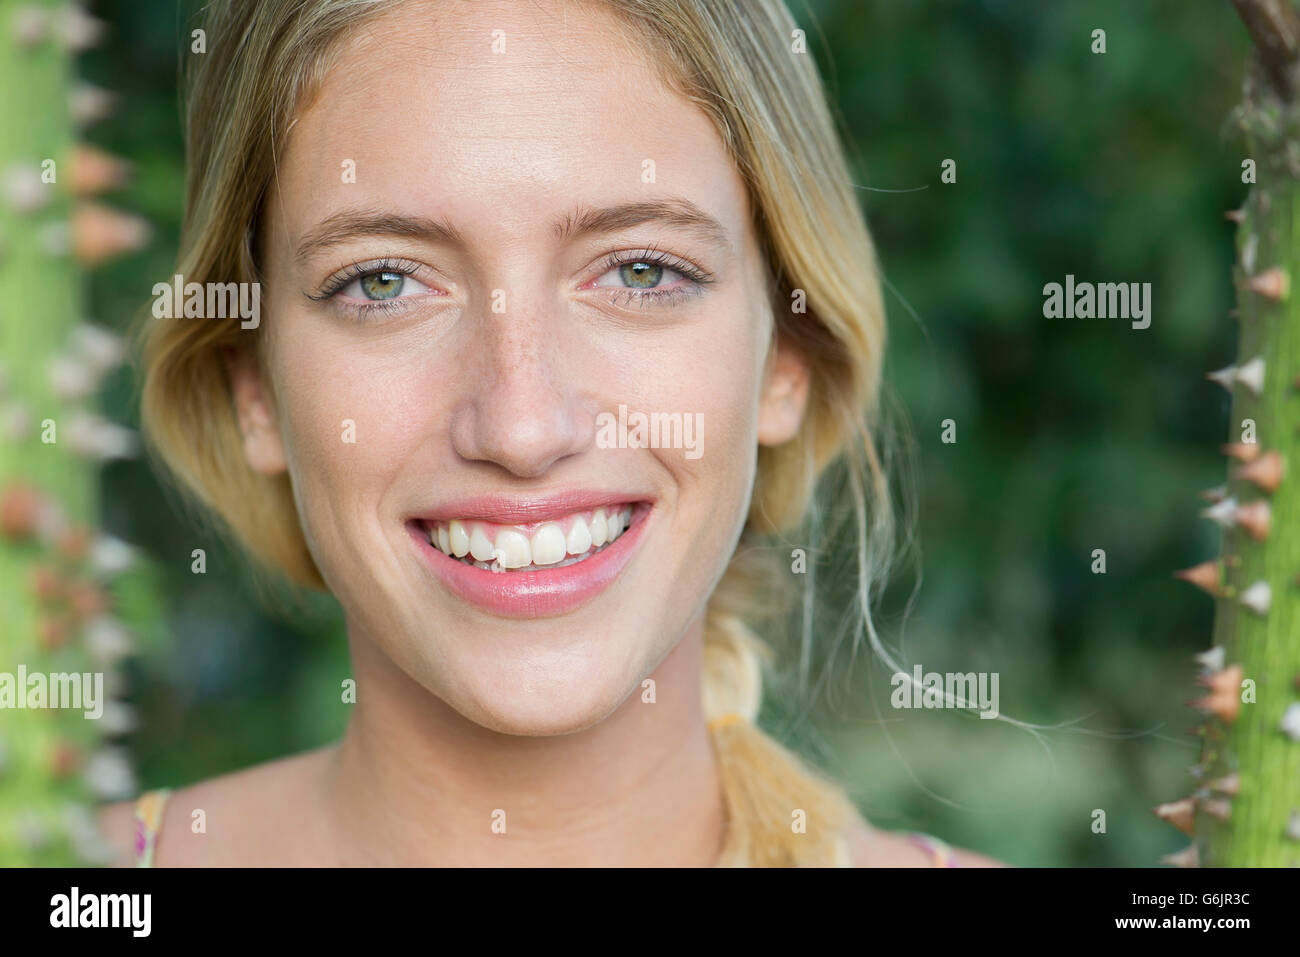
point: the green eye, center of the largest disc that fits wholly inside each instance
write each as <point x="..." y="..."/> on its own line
<point x="641" y="275"/>
<point x="382" y="285"/>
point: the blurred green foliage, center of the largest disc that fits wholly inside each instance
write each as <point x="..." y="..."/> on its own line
<point x="1072" y="434"/>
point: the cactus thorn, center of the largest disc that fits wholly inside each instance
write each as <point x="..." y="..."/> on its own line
<point x="1181" y="814"/>
<point x="1258" y="598"/>
<point x="1216" y="494"/>
<point x="1229" y="784"/>
<point x="1212" y="660"/>
<point x="1290" y="723"/>
<point x="1224" y="699"/>
<point x="94" y="171"/>
<point x="1251" y="375"/>
<point x="1241" y="451"/>
<point x="1267" y="471"/>
<point x="100" y="233"/>
<point x="76" y="29"/>
<point x="1273" y="283"/>
<point x="1221" y="513"/>
<point x="1293" y="825"/>
<point x="1205" y="576"/>
<point x="20" y="507"/>
<point x="1187" y="857"/>
<point x="87" y="103"/>
<point x="1220" y="808"/>
<point x="30" y="25"/>
<point x="1255" y="518"/>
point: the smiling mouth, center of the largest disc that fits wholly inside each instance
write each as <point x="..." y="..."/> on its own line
<point x="557" y="543"/>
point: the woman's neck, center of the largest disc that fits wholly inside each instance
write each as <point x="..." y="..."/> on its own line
<point x="414" y="783"/>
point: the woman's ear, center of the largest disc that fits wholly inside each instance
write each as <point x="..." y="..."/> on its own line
<point x="255" y="409"/>
<point x="785" y="393"/>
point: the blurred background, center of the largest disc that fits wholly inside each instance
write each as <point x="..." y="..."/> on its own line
<point x="1072" y="434"/>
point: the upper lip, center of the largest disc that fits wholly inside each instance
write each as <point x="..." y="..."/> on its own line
<point x="527" y="508"/>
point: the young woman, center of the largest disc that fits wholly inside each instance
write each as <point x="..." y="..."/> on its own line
<point x="564" y="306"/>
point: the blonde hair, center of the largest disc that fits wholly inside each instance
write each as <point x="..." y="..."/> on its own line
<point x="736" y="62"/>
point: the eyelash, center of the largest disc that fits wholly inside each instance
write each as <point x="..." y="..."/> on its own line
<point x="405" y="267"/>
<point x="337" y="282"/>
<point x="689" y="271"/>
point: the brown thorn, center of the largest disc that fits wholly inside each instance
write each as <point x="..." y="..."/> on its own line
<point x="1255" y="518"/>
<point x="1229" y="784"/>
<point x="1187" y="857"/>
<point x="1205" y="576"/>
<point x="1267" y="471"/>
<point x="1273" y="283"/>
<point x="1181" y="814"/>
<point x="1241" y="451"/>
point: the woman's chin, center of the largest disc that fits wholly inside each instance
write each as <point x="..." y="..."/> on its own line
<point x="559" y="706"/>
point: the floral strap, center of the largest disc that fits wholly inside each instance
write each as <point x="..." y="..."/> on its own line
<point x="148" y="819"/>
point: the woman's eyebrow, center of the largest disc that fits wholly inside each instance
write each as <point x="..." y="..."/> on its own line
<point x="678" y="212"/>
<point x="347" y="224"/>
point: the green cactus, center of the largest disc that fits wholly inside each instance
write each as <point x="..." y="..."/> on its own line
<point x="61" y="581"/>
<point x="1245" y="810"/>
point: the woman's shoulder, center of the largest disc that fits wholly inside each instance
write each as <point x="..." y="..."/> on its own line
<point x="195" y="826"/>
<point x="872" y="847"/>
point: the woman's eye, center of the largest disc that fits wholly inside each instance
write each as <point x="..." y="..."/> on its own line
<point x="382" y="285"/>
<point x="637" y="275"/>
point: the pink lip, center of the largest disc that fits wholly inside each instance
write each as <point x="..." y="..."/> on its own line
<point x="517" y="510"/>
<point x="545" y="593"/>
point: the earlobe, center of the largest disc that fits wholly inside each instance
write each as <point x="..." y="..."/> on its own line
<point x="255" y="409"/>
<point x="785" y="394"/>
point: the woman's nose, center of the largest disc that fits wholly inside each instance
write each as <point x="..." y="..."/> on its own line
<point x="526" y="403"/>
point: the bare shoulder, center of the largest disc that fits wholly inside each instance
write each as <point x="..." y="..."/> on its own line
<point x="871" y="847"/>
<point x="218" y="822"/>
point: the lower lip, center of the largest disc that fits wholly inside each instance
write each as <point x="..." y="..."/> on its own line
<point x="544" y="593"/>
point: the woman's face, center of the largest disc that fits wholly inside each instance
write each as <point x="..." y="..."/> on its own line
<point x="492" y="230"/>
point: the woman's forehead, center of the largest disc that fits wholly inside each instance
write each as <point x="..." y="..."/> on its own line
<point x="505" y="114"/>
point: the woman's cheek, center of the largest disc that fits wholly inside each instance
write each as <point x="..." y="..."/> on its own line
<point x="348" y="420"/>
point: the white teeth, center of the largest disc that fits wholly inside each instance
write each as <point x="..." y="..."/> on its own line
<point x="459" y="539"/>
<point x="548" y="545"/>
<point x="599" y="530"/>
<point x="481" y="547"/>
<point x="512" y="549"/>
<point x="579" y="539"/>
